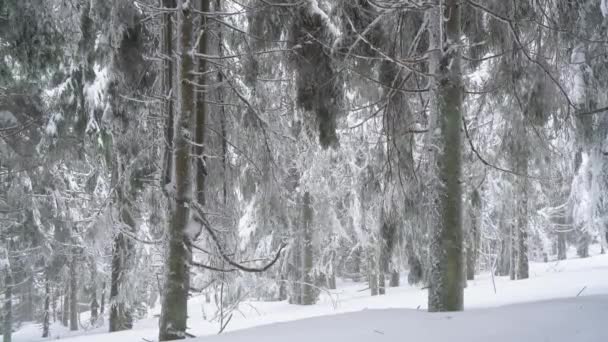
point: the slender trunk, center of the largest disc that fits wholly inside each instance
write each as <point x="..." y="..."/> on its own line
<point x="201" y="106"/>
<point x="102" y="306"/>
<point x="331" y="281"/>
<point x="167" y="88"/>
<point x="174" y="313"/>
<point x="561" y="246"/>
<point x="65" y="310"/>
<point x="446" y="275"/>
<point x="296" y="270"/>
<point x="512" y="252"/>
<point x="28" y="301"/>
<point x="94" y="303"/>
<point x="120" y="315"/>
<point x="46" y="318"/>
<point x="522" y="157"/>
<point x="54" y="304"/>
<point x="73" y="294"/>
<point x="372" y="271"/>
<point x="395" y="280"/>
<point x="308" y="296"/>
<point x="7" y="327"/>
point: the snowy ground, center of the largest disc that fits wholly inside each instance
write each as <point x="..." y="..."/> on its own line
<point x="542" y="308"/>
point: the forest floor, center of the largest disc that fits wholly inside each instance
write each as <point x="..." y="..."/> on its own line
<point x="562" y="301"/>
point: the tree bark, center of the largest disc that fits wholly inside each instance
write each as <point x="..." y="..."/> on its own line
<point x="395" y="280"/>
<point x="46" y="318"/>
<point x="167" y="88"/>
<point x="120" y="315"/>
<point x="561" y="246"/>
<point x="65" y="310"/>
<point x="7" y="327"/>
<point x="174" y="313"/>
<point x="73" y="294"/>
<point x="446" y="291"/>
<point x="308" y="295"/>
<point x="512" y="252"/>
<point x="201" y="107"/>
<point x="102" y="306"/>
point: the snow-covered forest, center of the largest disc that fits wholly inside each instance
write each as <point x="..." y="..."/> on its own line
<point x="174" y="165"/>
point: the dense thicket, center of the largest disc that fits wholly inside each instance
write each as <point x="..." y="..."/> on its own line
<point x="152" y="150"/>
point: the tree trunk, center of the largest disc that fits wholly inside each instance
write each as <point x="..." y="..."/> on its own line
<point x="28" y="300"/>
<point x="174" y="313"/>
<point x="474" y="235"/>
<point x="296" y="270"/>
<point x="446" y="275"/>
<point x="73" y="294"/>
<point x="395" y="280"/>
<point x="94" y="303"/>
<point x="120" y="315"/>
<point x="308" y="295"/>
<point x="102" y="306"/>
<point x="65" y="310"/>
<point x="7" y="327"/>
<point x="512" y="252"/>
<point x="46" y="318"/>
<point x="331" y="281"/>
<point x="561" y="246"/>
<point x="167" y="89"/>
<point x="582" y="250"/>
<point x="522" y="156"/>
<point x="201" y="108"/>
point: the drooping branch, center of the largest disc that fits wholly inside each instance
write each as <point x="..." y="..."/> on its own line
<point x="202" y="220"/>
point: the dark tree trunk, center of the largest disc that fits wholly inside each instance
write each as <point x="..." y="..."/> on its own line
<point x="512" y="252"/>
<point x="94" y="303"/>
<point x="7" y="326"/>
<point x="331" y="281"/>
<point x="94" y="308"/>
<point x="73" y="294"/>
<point x="65" y="310"/>
<point x="446" y="292"/>
<point x="561" y="246"/>
<point x="395" y="280"/>
<point x="28" y="302"/>
<point x="308" y="293"/>
<point x="167" y="88"/>
<point x="102" y="306"/>
<point x="174" y="313"/>
<point x="46" y="318"/>
<point x="201" y="108"/>
<point x="120" y="316"/>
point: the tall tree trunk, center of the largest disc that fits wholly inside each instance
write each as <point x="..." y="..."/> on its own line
<point x="522" y="153"/>
<point x="65" y="310"/>
<point x="201" y="106"/>
<point x="446" y="275"/>
<point x="372" y="272"/>
<point x="331" y="281"/>
<point x="120" y="315"/>
<point x="512" y="252"/>
<point x="73" y="293"/>
<point x="7" y="327"/>
<point x="308" y="293"/>
<point x="102" y="306"/>
<point x="473" y="234"/>
<point x="94" y="303"/>
<point x="395" y="280"/>
<point x="46" y="318"/>
<point x="28" y="300"/>
<point x="167" y="89"/>
<point x="174" y="313"/>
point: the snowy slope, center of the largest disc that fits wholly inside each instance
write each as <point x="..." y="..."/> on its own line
<point x="579" y="319"/>
<point x="548" y="281"/>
